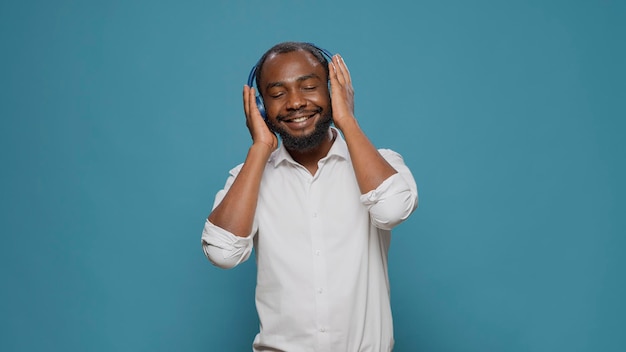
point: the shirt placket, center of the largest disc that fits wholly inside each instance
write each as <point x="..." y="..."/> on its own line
<point x="320" y="280"/>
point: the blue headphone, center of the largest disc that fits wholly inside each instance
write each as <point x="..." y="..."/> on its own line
<point x="252" y="78"/>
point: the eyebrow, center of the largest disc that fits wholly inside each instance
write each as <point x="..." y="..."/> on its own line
<point x="299" y="79"/>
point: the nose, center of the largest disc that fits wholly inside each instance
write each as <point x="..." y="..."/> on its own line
<point x="295" y="101"/>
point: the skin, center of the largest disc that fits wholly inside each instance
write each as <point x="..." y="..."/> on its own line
<point x="295" y="82"/>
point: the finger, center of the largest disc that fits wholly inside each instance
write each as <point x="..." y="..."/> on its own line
<point x="246" y="99"/>
<point x="253" y="107"/>
<point x="332" y="74"/>
<point x="340" y="70"/>
<point x="344" y="69"/>
<point x="337" y="69"/>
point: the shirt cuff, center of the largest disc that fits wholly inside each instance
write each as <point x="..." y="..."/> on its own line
<point x="223" y="248"/>
<point x="387" y="187"/>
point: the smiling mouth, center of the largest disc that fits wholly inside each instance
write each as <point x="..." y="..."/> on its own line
<point x="298" y="116"/>
<point x="299" y="119"/>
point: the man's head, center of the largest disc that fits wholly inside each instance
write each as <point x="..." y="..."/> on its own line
<point x="292" y="78"/>
<point x="287" y="47"/>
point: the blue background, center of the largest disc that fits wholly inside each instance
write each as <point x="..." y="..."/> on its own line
<point x="120" y="120"/>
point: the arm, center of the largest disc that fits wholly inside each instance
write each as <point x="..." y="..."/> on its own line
<point x="386" y="183"/>
<point x="235" y="213"/>
<point x="370" y="167"/>
<point x="396" y="198"/>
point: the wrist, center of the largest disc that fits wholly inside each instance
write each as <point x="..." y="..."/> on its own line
<point x="346" y="123"/>
<point x="262" y="147"/>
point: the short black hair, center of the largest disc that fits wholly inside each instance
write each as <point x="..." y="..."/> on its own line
<point x="287" y="47"/>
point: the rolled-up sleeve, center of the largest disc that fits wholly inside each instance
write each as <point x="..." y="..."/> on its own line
<point x="221" y="247"/>
<point x="224" y="249"/>
<point x="395" y="198"/>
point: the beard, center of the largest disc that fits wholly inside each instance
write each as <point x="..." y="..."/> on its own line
<point x="307" y="142"/>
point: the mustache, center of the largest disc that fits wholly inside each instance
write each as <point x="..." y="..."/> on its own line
<point x="298" y="112"/>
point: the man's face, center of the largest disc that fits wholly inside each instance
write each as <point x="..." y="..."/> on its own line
<point x="296" y="97"/>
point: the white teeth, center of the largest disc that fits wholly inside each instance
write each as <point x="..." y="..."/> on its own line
<point x="299" y="119"/>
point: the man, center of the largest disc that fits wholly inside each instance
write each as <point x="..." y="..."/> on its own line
<point x="318" y="210"/>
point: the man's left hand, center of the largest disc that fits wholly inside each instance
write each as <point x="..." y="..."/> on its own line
<point x="342" y="93"/>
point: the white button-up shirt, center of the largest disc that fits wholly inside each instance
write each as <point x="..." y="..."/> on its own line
<point x="321" y="249"/>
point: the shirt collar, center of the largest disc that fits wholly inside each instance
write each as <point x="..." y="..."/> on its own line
<point x="338" y="149"/>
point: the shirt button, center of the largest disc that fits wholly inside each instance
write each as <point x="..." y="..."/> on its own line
<point x="318" y="252"/>
<point x="322" y="329"/>
<point x="314" y="215"/>
<point x="319" y="290"/>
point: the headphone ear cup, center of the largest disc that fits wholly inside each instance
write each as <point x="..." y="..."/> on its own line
<point x="259" y="104"/>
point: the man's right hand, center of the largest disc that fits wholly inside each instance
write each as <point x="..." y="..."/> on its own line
<point x="259" y="131"/>
<point x="235" y="213"/>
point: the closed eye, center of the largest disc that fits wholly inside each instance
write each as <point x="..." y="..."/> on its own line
<point x="276" y="95"/>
